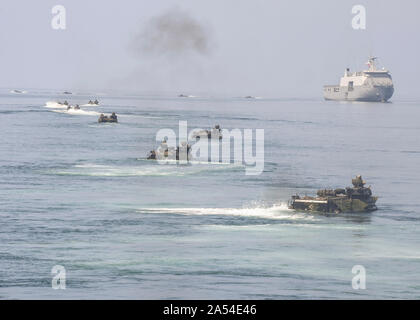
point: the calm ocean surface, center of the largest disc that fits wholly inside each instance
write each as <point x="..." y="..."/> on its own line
<point x="81" y="194"/>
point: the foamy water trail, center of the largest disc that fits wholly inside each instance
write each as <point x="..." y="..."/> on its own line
<point x="196" y="162"/>
<point x="278" y="212"/>
<point x="54" y="105"/>
<point x="62" y="108"/>
<point x="91" y="169"/>
<point x="78" y="112"/>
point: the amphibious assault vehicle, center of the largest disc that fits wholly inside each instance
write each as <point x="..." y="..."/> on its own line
<point x="351" y="199"/>
<point x="112" y="118"/>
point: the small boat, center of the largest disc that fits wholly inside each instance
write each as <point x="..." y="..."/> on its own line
<point x="17" y="91"/>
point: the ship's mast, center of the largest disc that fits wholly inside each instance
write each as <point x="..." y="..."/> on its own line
<point x="372" y="64"/>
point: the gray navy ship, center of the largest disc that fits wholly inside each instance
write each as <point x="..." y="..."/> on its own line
<point x="369" y="85"/>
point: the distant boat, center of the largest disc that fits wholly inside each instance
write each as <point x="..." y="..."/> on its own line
<point x="186" y="96"/>
<point x="368" y="85"/>
<point x="17" y="91"/>
<point x="92" y="103"/>
<point x="67" y="92"/>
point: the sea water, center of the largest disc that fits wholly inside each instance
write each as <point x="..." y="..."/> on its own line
<point x="80" y="194"/>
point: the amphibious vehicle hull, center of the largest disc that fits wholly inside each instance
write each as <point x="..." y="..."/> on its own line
<point x="333" y="205"/>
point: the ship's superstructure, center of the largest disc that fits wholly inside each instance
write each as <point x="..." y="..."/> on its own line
<point x="372" y="84"/>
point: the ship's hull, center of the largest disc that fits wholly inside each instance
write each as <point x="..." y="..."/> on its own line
<point x="360" y="93"/>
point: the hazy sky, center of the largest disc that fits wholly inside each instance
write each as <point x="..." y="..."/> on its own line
<point x="248" y="47"/>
